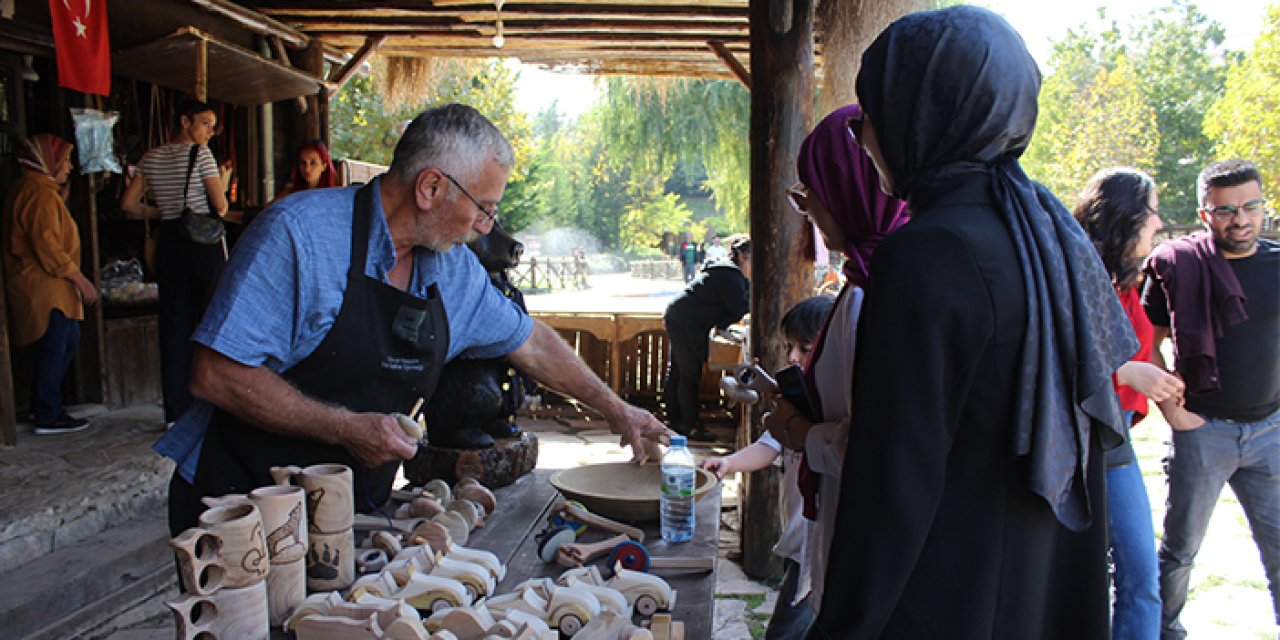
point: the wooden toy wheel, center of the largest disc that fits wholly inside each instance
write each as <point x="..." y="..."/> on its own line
<point x="646" y="605"/>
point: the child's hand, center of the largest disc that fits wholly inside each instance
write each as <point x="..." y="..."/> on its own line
<point x="718" y="466"/>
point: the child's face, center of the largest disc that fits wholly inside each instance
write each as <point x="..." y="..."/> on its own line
<point x="797" y="351"/>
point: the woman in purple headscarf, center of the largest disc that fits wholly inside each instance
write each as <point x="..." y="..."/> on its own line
<point x="839" y="192"/>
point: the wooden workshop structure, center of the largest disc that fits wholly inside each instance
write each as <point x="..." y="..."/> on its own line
<point x="271" y="65"/>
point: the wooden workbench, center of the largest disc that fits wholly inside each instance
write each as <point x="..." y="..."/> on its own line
<point x="522" y="512"/>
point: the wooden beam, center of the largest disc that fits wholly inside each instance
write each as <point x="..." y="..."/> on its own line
<point x="740" y="72"/>
<point x="586" y="43"/>
<point x="8" y="415"/>
<point x="342" y="75"/>
<point x="781" y="109"/>
<point x="201" y="53"/>
<point x="282" y="56"/>
<point x="255" y="22"/>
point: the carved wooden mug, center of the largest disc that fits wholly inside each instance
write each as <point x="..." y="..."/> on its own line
<point x="226" y="614"/>
<point x="331" y="561"/>
<point x="330" y="501"/>
<point x="226" y="550"/>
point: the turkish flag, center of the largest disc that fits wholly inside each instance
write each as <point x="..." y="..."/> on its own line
<point x="82" y="45"/>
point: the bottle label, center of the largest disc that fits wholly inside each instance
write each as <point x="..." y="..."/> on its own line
<point x="675" y="484"/>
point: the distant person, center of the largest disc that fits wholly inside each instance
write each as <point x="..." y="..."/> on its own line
<point x="1216" y="292"/>
<point x="47" y="291"/>
<point x="717" y="298"/>
<point x="689" y="259"/>
<point x="716" y="250"/>
<point x="313" y="169"/>
<point x="972" y="500"/>
<point x="791" y="615"/>
<point x="1119" y="210"/>
<point x="181" y="174"/>
<point x="701" y="256"/>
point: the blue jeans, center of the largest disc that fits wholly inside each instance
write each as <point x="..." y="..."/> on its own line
<point x="53" y="353"/>
<point x="789" y="621"/>
<point x="1244" y="454"/>
<point x="1136" y="611"/>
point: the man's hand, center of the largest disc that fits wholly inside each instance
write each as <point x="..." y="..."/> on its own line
<point x="1150" y="380"/>
<point x="376" y="438"/>
<point x="639" y="430"/>
<point x="88" y="292"/>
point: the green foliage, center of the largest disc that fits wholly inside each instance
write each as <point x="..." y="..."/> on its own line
<point x="1246" y="118"/>
<point x="643" y="223"/>
<point x="362" y="130"/>
<point x="1113" y="126"/>
<point x="1134" y="97"/>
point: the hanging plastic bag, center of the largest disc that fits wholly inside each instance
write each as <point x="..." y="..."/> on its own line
<point x="95" y="140"/>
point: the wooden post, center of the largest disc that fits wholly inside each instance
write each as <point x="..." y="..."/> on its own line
<point x="312" y="61"/>
<point x="8" y="418"/>
<point x="201" y="88"/>
<point x="781" y="110"/>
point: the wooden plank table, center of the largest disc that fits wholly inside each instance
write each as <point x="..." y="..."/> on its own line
<point x="522" y="512"/>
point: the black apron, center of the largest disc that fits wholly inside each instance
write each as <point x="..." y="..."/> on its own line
<point x="385" y="350"/>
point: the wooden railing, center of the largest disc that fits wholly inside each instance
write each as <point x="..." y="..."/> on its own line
<point x="657" y="269"/>
<point x="629" y="351"/>
<point x="550" y="273"/>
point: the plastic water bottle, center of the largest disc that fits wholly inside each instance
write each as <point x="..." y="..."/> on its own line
<point x="679" y="478"/>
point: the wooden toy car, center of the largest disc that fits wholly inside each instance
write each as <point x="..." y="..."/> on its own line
<point x="645" y="592"/>
<point x="566" y="608"/>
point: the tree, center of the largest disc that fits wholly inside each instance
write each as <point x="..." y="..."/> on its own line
<point x="1246" y="117"/>
<point x="1182" y="80"/>
<point x="642" y="225"/>
<point x="363" y="130"/>
<point x="1112" y="126"/>
<point x="1172" y="66"/>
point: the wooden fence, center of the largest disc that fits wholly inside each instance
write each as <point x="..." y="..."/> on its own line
<point x="629" y="351"/>
<point x="550" y="273"/>
<point x="665" y="269"/>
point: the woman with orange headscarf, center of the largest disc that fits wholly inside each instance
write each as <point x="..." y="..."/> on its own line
<point x="46" y="289"/>
<point x="313" y="170"/>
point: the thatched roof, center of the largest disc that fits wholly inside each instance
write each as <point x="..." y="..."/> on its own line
<point x="644" y="37"/>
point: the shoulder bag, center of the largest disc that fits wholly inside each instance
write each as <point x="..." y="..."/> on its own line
<point x="201" y="228"/>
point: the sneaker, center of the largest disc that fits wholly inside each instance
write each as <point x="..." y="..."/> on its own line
<point x="63" y="424"/>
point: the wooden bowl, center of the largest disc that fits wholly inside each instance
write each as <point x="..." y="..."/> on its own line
<point x="620" y="490"/>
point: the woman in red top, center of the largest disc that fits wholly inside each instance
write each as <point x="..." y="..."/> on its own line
<point x="1119" y="209"/>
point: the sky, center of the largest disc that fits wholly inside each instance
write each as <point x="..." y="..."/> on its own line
<point x="1039" y="21"/>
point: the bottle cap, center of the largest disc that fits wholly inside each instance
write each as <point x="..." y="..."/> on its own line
<point x="679" y="441"/>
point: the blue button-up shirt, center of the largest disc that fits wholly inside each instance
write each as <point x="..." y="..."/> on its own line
<point x="284" y="285"/>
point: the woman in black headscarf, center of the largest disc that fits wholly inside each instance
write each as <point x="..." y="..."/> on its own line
<point x="972" y="502"/>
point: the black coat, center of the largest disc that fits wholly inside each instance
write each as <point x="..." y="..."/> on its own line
<point x="937" y="534"/>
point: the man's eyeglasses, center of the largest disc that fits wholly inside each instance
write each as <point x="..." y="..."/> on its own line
<point x="798" y="196"/>
<point x="1254" y="208"/>
<point x="490" y="212"/>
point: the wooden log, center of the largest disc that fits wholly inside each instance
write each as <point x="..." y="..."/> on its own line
<point x="497" y="466"/>
<point x="740" y="72"/>
<point x="781" y="110"/>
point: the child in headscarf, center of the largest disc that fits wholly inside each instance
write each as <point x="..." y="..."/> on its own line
<point x="45" y="287"/>
<point x="972" y="497"/>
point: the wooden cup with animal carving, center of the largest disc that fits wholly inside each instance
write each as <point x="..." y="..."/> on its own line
<point x="227" y="550"/>
<point x="331" y="561"/>
<point x="330" y="500"/>
<point x="284" y="518"/>
<point x="226" y="614"/>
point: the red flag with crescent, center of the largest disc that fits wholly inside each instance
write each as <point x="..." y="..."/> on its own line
<point x="82" y="45"/>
